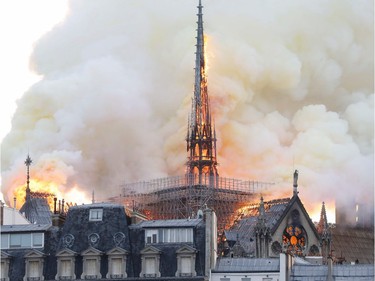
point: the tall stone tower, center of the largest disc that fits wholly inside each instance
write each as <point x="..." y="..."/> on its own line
<point x="201" y="136"/>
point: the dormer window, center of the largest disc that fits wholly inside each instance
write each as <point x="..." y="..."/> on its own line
<point x="96" y="215"/>
<point x="66" y="265"/>
<point x="186" y="261"/>
<point x="5" y="261"/>
<point x="34" y="266"/>
<point x="116" y="263"/>
<point x="91" y="263"/>
<point x="150" y="257"/>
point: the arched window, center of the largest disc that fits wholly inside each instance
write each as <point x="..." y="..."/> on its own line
<point x="294" y="236"/>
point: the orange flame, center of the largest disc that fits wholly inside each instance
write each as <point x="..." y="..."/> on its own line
<point x="314" y="212"/>
<point x="205" y="53"/>
<point x="74" y="195"/>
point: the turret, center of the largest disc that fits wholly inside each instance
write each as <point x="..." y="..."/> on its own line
<point x="262" y="233"/>
<point x="325" y="234"/>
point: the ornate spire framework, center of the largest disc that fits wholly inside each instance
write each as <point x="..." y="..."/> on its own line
<point x="201" y="136"/>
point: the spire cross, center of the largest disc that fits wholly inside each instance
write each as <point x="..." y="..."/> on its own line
<point x="28" y="163"/>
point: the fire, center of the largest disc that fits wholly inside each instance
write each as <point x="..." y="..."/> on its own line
<point x="76" y="194"/>
<point x="73" y="196"/>
<point x="314" y="212"/>
<point x="205" y="53"/>
<point x="36" y="186"/>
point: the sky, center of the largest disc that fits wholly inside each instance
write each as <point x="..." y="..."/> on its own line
<point x="110" y="95"/>
<point x="27" y="24"/>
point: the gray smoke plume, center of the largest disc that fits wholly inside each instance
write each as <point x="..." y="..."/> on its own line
<point x="290" y="82"/>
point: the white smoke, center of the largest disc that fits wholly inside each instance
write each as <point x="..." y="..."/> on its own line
<point x="290" y="82"/>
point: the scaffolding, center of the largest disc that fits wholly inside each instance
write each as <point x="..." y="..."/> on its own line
<point x="183" y="196"/>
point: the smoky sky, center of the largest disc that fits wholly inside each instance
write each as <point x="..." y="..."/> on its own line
<point x="291" y="86"/>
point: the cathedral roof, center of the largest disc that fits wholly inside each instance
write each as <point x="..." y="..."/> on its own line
<point x="275" y="211"/>
<point x="353" y="244"/>
<point x="37" y="211"/>
<point x="244" y="228"/>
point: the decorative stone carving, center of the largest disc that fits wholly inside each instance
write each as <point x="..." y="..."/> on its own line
<point x="118" y="238"/>
<point x="94" y="239"/>
<point x="68" y="240"/>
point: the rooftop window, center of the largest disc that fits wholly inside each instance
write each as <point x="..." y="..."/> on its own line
<point x="169" y="235"/>
<point x="96" y="215"/>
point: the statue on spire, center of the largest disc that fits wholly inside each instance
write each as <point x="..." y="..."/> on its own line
<point x="295" y="183"/>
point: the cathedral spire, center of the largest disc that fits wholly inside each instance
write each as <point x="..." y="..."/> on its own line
<point x="322" y="227"/>
<point x="201" y="136"/>
<point x="28" y="162"/>
<point x="325" y="234"/>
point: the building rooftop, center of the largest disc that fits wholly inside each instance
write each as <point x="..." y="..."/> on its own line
<point x="37" y="210"/>
<point x="24" y="227"/>
<point x="170" y="223"/>
<point x="245" y="224"/>
<point x="339" y="272"/>
<point x="97" y="205"/>
<point x="247" y="265"/>
<point x="353" y="244"/>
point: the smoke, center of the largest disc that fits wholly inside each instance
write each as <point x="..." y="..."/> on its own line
<point x="290" y="83"/>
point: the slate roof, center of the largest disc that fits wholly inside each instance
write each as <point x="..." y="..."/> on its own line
<point x="245" y="224"/>
<point x="25" y="228"/>
<point x="247" y="265"/>
<point x="169" y="223"/>
<point x="353" y="244"/>
<point x="37" y="211"/>
<point x="95" y="205"/>
<point x="339" y="272"/>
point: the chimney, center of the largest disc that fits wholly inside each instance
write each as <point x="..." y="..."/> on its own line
<point x="58" y="216"/>
<point x="14" y="210"/>
<point x="1" y="213"/>
<point x="54" y="205"/>
<point x="330" y="269"/>
<point x="211" y="239"/>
